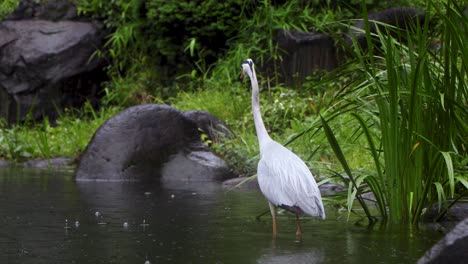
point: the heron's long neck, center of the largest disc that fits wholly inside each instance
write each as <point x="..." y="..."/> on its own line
<point x="262" y="133"/>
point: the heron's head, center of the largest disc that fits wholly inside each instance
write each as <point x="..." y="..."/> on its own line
<point x="247" y="68"/>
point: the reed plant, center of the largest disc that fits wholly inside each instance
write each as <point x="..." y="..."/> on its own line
<point x="410" y="101"/>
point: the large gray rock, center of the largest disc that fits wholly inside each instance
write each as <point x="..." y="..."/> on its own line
<point x="45" y="61"/>
<point x="149" y="142"/>
<point x="452" y="249"/>
<point x="42" y="62"/>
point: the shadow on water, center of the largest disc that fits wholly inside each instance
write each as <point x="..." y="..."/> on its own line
<point x="174" y="222"/>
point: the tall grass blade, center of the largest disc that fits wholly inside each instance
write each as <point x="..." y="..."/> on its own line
<point x="354" y="186"/>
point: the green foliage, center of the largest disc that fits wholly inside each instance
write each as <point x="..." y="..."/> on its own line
<point x="176" y="24"/>
<point x="232" y="105"/>
<point x="161" y="41"/>
<point x="256" y="35"/>
<point x="6" y="7"/>
<point x="416" y="98"/>
<point x="163" y="47"/>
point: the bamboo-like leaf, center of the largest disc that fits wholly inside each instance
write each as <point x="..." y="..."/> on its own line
<point x="451" y="177"/>
<point x="379" y="195"/>
<point x="248" y="179"/>
<point x="339" y="154"/>
<point x="462" y="180"/>
<point x="440" y="194"/>
<point x="415" y="146"/>
<point x="336" y="147"/>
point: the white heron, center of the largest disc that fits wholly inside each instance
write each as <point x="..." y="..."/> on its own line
<point x="284" y="178"/>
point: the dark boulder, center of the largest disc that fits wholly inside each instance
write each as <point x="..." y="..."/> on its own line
<point x="39" y="62"/>
<point x="452" y="249"/>
<point x="47" y="10"/>
<point x="456" y="213"/>
<point x="149" y="142"/>
<point x="303" y="54"/>
<point x="214" y="128"/>
<point x="401" y="18"/>
<point x="45" y="60"/>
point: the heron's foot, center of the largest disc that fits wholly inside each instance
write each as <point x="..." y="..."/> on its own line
<point x="298" y="236"/>
<point x="299" y="229"/>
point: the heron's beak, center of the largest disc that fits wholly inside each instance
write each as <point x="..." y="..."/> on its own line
<point x="242" y="75"/>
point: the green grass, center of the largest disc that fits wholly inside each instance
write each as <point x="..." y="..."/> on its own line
<point x="68" y="138"/>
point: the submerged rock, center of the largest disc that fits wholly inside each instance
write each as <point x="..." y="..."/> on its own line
<point x="456" y="213"/>
<point x="59" y="162"/>
<point x="4" y="163"/>
<point x="147" y="142"/>
<point x="194" y="166"/>
<point x="452" y="249"/>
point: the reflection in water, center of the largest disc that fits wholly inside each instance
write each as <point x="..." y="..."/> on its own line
<point x="301" y="257"/>
<point x="291" y="253"/>
<point x="174" y="222"/>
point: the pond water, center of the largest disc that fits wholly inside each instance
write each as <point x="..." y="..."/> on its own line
<point x="46" y="217"/>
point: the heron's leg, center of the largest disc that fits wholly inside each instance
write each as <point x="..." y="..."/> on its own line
<point x="273" y="217"/>
<point x="299" y="228"/>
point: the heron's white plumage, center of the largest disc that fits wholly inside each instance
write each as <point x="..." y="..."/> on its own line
<point x="285" y="179"/>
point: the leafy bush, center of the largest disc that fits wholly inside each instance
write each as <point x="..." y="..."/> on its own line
<point x="204" y="26"/>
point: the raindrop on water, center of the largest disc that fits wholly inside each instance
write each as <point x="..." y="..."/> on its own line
<point x="66" y="224"/>
<point x="125" y="224"/>
<point x="144" y="223"/>
<point x="97" y="214"/>
<point x="77" y="223"/>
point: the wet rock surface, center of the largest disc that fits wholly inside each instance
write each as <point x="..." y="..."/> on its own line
<point x="210" y="125"/>
<point x="452" y="249"/>
<point x="456" y="213"/>
<point x="59" y="162"/>
<point x="149" y="142"/>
